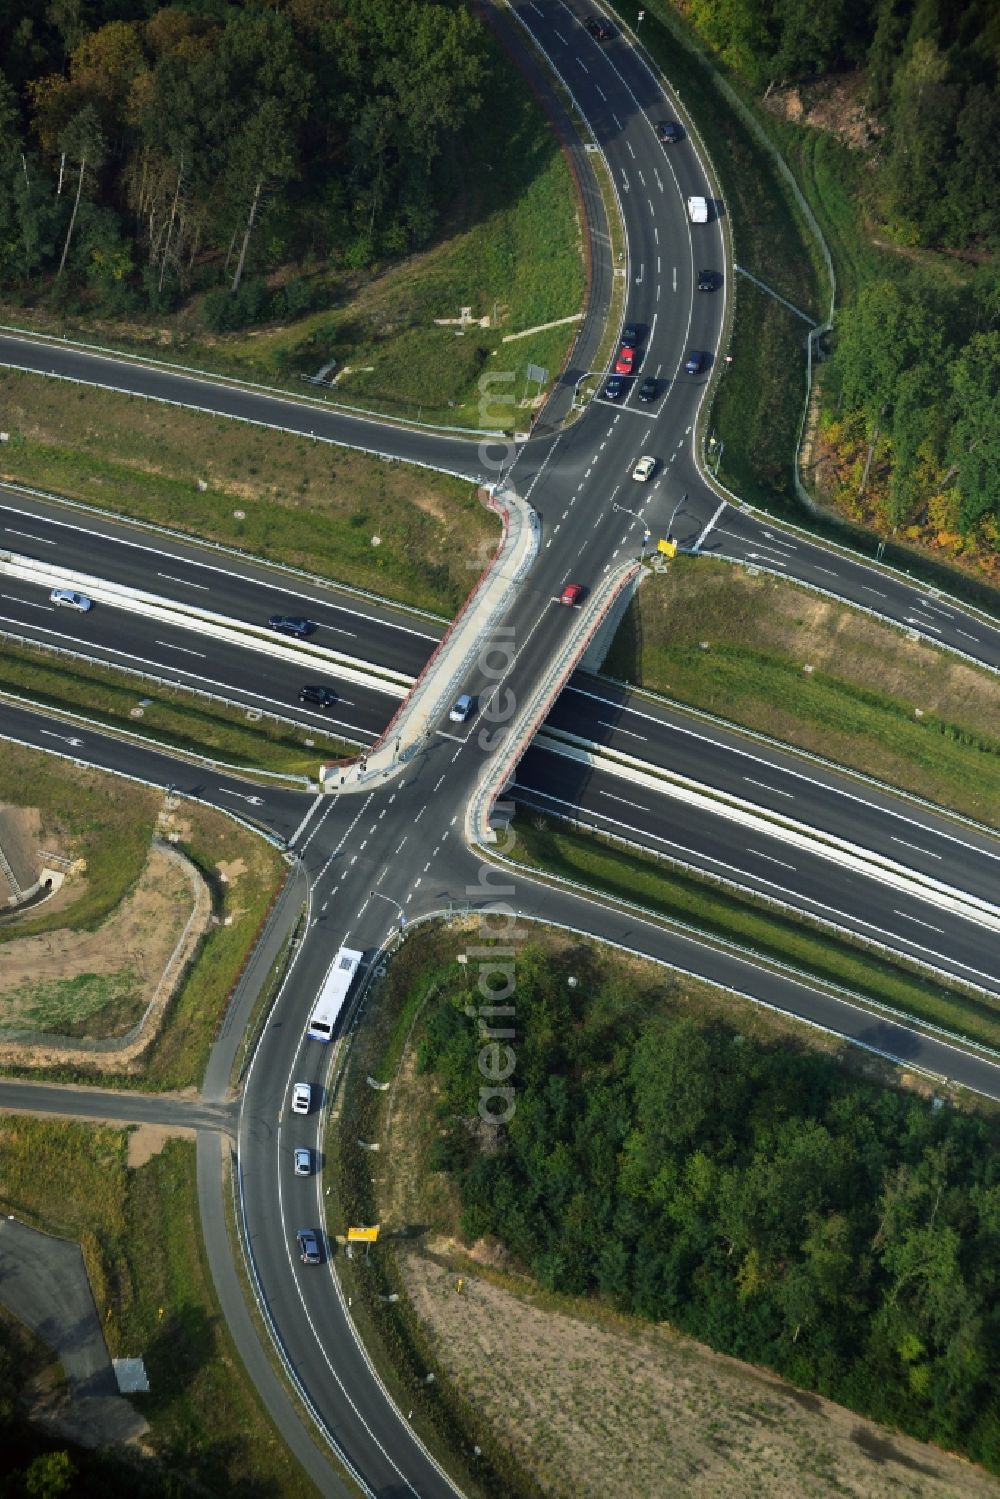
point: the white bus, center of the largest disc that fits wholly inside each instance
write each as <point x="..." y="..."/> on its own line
<point x="333" y="994"/>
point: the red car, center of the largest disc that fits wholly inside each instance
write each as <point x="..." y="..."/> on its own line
<point x="625" y="360"/>
<point x="571" y="594"/>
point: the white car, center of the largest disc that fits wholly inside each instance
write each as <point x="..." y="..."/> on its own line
<point x="301" y="1098"/>
<point x="644" y="469"/>
<point x="70" y="599"/>
<point x="462" y="708"/>
<point x="303" y="1161"/>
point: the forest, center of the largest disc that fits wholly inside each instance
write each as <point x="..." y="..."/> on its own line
<point x="762" y="1197"/>
<point x="913" y="443"/>
<point x="931" y="79"/>
<point x="148" y="149"/>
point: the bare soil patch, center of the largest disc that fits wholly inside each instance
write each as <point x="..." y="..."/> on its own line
<point x="63" y="981"/>
<point x="834" y="104"/>
<point x="596" y="1409"/>
<point x="147" y="1140"/>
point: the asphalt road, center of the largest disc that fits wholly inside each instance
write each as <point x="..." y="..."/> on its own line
<point x="404" y="841"/>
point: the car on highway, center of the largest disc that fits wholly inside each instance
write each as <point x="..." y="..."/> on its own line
<point x="291" y="624"/>
<point x="600" y="30"/>
<point x="323" y="697"/>
<point x="68" y="598"/>
<point x="571" y="594"/>
<point x="668" y="131"/>
<point x="308" y="1241"/>
<point x="644" y="469"/>
<point x="301" y="1098"/>
<point x="303" y="1161"/>
<point x="461" y="708"/>
<point x="695" y="363"/>
<point x="613" y="388"/>
<point x="625" y="360"/>
<point x="630" y="334"/>
<point x="706" y="281"/>
<point x="648" y="389"/>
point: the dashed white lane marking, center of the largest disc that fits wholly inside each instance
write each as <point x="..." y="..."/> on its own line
<point x="829" y="571"/>
<point x="601" y="92"/>
<point x="765" y="787"/>
<point x="583" y="65"/>
<point x="203" y="587"/>
<point x="907" y="917"/>
<point x="770" y="858"/>
<point x="652" y="210"/>
<point x="617" y="121"/>
<point x="966" y="636"/>
<point x="866" y="588"/>
<point x="45" y="540"/>
<point x="658" y="182"/>
<point x="400" y="845"/>
<point x="916" y="848"/>
<point x="923" y="624"/>
<point x="630" y="151"/>
<point x="439" y="782"/>
<point x="420" y="814"/>
<point x="601" y="724"/>
<point x="167" y="646"/>
<point x="561" y="37"/>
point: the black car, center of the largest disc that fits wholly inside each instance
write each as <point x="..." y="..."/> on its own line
<point x="613" y="387"/>
<point x="630" y="334"/>
<point x="648" y="389"/>
<point x="669" y="131"/>
<point x="291" y="624"/>
<point x="695" y="363"/>
<point x="706" y="281"/>
<point x="601" y="31"/>
<point x="323" y="697"/>
<point x="308" y="1244"/>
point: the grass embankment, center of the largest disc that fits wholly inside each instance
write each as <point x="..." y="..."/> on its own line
<point x="108" y="823"/>
<point x="758" y="403"/>
<point x="391" y="1333"/>
<point x="510" y="250"/>
<point x="916" y="717"/>
<point x="171" y="717"/>
<point x="703" y="905"/>
<point x="138" y="1228"/>
<point x="304" y="504"/>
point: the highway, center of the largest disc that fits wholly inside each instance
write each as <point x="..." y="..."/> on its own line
<point x="405" y="840"/>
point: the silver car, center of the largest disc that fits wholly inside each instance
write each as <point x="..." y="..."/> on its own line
<point x="462" y="708"/>
<point x="302" y="1158"/>
<point x="70" y="599"/>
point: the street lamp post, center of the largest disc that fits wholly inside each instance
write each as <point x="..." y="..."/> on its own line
<point x="670" y="522"/>
<point x="399" y="909"/>
<point x="646" y="533"/>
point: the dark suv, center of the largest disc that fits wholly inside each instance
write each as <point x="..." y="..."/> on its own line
<point x="648" y="389"/>
<point x="323" y="697"/>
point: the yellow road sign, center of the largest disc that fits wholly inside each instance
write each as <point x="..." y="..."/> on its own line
<point x="668" y="548"/>
<point x="362" y="1235"/>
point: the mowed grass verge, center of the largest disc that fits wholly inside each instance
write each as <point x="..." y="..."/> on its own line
<point x="701" y="904"/>
<point x="138" y="1227"/>
<point x="107" y="823"/>
<point x="171" y="717"/>
<point x="401" y="532"/>
<point x="819" y="675"/>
